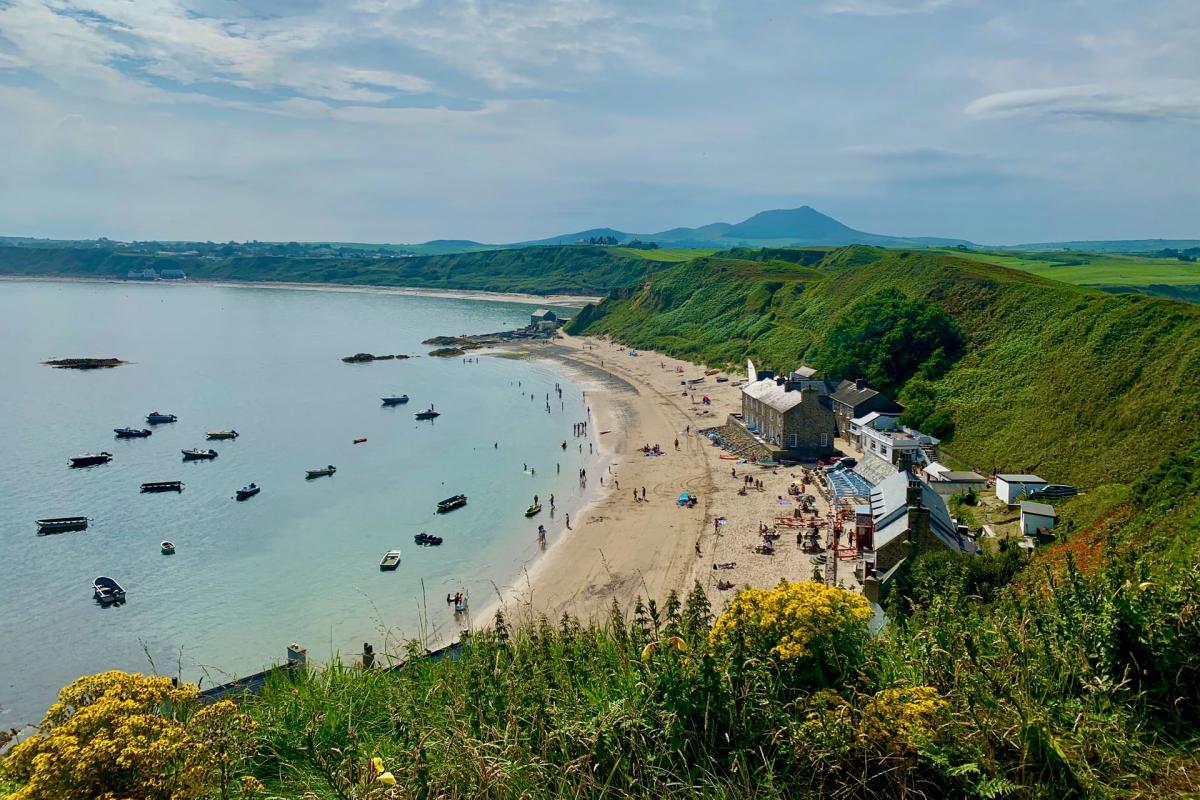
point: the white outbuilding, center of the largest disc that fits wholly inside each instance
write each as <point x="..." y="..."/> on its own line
<point x="1036" y="517"/>
<point x="1010" y="487"/>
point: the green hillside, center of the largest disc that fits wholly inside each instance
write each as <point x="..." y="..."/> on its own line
<point x="1075" y="384"/>
<point x="538" y="270"/>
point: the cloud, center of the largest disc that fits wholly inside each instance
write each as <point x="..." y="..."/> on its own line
<point x="888" y="8"/>
<point x="1090" y="102"/>
<point x="134" y="47"/>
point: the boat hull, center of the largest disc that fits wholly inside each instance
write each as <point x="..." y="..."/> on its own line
<point x="163" y="486"/>
<point x="390" y="561"/>
<point x="132" y="433"/>
<point x="199" y="455"/>
<point x="91" y="460"/>
<point x="451" y="503"/>
<point x="61" y="524"/>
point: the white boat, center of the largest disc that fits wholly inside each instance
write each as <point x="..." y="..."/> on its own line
<point x="390" y="560"/>
<point x="223" y="434"/>
<point x="320" y="473"/>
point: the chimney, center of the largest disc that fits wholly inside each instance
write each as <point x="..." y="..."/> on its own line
<point x="860" y="383"/>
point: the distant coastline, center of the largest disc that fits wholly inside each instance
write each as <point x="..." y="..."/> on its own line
<point x="562" y="300"/>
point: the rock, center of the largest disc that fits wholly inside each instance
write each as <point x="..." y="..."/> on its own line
<point x="446" y="352"/>
<point x="84" y="363"/>
<point x="365" y="358"/>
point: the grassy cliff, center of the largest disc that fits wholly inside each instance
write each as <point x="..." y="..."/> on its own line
<point x="537" y="270"/>
<point x="1075" y="384"/>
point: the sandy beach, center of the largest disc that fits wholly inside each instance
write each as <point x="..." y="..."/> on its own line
<point x="561" y="300"/>
<point x="621" y="548"/>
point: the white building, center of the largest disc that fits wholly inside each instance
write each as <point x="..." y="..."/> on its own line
<point x="949" y="482"/>
<point x="1037" y="516"/>
<point x="1010" y="486"/>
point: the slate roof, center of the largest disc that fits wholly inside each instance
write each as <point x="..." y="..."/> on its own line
<point x="1041" y="509"/>
<point x="768" y="392"/>
<point x="1016" y="477"/>
<point x="889" y="508"/>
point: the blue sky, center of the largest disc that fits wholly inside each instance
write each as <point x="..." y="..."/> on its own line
<point x="1001" y="121"/>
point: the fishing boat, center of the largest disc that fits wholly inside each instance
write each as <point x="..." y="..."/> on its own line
<point x="360" y="440"/>
<point x="246" y="492"/>
<point x="390" y="560"/>
<point x="722" y="379"/>
<point x="319" y="473"/>
<point x="427" y="539"/>
<point x="451" y="503"/>
<point x="395" y="400"/>
<point x="107" y="591"/>
<point x="61" y="524"/>
<point x="132" y="433"/>
<point x="158" y="418"/>
<point x="428" y="413"/>
<point x="91" y="459"/>
<point x="533" y="510"/>
<point x="711" y="371"/>
<point x="163" y="486"/>
<point x="223" y="434"/>
<point x="168" y="548"/>
<point x="196" y="454"/>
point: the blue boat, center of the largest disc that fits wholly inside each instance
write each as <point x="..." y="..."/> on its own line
<point x="107" y="591"/>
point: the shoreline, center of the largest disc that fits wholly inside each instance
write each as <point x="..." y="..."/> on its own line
<point x="621" y="549"/>
<point x="524" y="298"/>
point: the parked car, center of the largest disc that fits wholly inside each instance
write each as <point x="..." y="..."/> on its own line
<point x="1054" y="490"/>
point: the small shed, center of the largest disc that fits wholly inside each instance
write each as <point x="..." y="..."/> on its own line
<point x="1036" y="517"/>
<point x="1010" y="486"/>
<point x="543" y="317"/>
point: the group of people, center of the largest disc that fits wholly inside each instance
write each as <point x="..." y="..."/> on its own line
<point x="655" y="450"/>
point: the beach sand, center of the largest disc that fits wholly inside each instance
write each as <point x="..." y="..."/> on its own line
<point x="621" y="549"/>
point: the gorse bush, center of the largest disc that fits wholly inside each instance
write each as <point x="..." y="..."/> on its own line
<point x="121" y="736"/>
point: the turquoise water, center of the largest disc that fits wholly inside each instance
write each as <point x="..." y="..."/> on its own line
<point x="299" y="562"/>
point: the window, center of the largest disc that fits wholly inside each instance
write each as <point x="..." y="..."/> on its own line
<point x="824" y="440"/>
<point x="793" y="440"/>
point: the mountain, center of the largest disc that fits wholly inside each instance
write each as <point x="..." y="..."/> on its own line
<point x="776" y="228"/>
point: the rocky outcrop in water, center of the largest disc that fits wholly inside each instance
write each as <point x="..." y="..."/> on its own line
<point x="84" y="363"/>
<point x="366" y="358"/>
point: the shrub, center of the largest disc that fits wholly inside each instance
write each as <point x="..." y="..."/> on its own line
<point x="814" y="628"/>
<point x="134" y="737"/>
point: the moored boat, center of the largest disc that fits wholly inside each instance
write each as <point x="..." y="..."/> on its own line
<point x="107" y="591"/>
<point x="61" y="524"/>
<point x="451" y="503"/>
<point x="91" y="459"/>
<point x="534" y="509"/>
<point x="246" y="492"/>
<point x="167" y="548"/>
<point x="162" y="486"/>
<point x="158" y="418"/>
<point x="428" y="413"/>
<point x="395" y="399"/>
<point x="223" y="434"/>
<point x="427" y="539"/>
<point x="360" y="440"/>
<point x="196" y="454"/>
<point x="132" y="433"/>
<point x="320" y="473"/>
<point x="390" y="560"/>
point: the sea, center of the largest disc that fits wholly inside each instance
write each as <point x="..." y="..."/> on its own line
<point x="298" y="563"/>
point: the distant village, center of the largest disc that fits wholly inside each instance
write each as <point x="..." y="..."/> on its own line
<point x="887" y="489"/>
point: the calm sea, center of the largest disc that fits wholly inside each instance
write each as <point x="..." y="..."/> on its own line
<point x="299" y="562"/>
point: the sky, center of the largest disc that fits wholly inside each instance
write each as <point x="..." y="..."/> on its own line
<point x="998" y="121"/>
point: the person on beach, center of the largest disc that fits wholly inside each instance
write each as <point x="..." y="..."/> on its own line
<point x="676" y="442"/>
<point x="643" y="493"/>
<point x="617" y="484"/>
<point x="551" y="502"/>
<point x="698" y="553"/>
<point x="733" y="471"/>
<point x="568" y="522"/>
<point x="635" y="496"/>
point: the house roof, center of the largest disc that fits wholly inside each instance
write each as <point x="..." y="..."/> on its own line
<point x="544" y="313"/>
<point x="849" y="393"/>
<point x="804" y="372"/>
<point x="770" y="393"/>
<point x="1018" y="477"/>
<point x="874" y="416"/>
<point x="889" y="507"/>
<point x="962" y="476"/>
<point x="1041" y="509"/>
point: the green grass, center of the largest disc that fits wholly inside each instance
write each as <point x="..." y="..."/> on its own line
<point x="1101" y="270"/>
<point x="672" y="254"/>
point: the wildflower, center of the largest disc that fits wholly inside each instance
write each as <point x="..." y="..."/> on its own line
<point x="901" y="719"/>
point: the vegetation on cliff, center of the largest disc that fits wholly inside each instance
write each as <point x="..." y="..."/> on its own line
<point x="1075" y="384"/>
